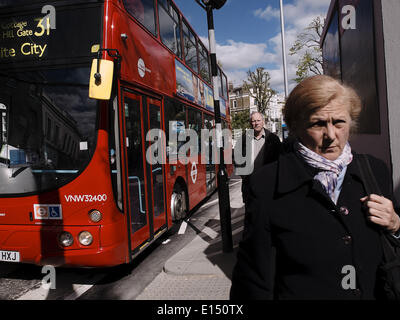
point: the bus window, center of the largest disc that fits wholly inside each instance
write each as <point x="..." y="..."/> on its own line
<point x="175" y="118"/>
<point x="224" y="86"/>
<point x="3" y="126"/>
<point x="48" y="128"/>
<point x="195" y="123"/>
<point x="220" y="83"/>
<point x="157" y="169"/>
<point x="190" y="48"/>
<point x="56" y="133"/>
<point x="169" y="27"/>
<point x="204" y="63"/>
<point x="227" y="139"/>
<point x="209" y="123"/>
<point x="135" y="164"/>
<point x="3" y="123"/>
<point x="143" y="11"/>
<point x="60" y="107"/>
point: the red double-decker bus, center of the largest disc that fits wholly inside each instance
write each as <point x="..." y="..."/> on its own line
<point x="76" y="184"/>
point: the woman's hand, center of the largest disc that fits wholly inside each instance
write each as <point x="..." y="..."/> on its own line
<point x="381" y="212"/>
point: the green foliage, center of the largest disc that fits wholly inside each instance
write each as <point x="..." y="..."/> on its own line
<point x="241" y="120"/>
<point x="307" y="46"/>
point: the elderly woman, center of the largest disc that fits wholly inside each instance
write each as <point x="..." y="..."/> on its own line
<point x="310" y="231"/>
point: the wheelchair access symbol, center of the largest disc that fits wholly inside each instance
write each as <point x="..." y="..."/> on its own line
<point x="48" y="211"/>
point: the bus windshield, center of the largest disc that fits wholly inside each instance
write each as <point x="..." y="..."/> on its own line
<point x="47" y="128"/>
<point x="47" y="121"/>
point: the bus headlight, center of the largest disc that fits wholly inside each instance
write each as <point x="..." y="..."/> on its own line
<point x="85" y="238"/>
<point x="95" y="215"/>
<point x="66" y="239"/>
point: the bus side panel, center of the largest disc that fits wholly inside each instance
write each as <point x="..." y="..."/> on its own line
<point x="196" y="181"/>
<point x="145" y="54"/>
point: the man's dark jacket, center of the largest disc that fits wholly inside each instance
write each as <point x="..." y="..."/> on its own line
<point x="270" y="150"/>
<point x="315" y="240"/>
<point x="269" y="153"/>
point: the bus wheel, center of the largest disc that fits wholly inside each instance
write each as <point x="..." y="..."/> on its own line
<point x="178" y="203"/>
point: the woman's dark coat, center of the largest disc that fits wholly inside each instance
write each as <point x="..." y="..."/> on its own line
<point x="314" y="239"/>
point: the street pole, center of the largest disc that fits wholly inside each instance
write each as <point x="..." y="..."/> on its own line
<point x="284" y="50"/>
<point x="284" y="61"/>
<point x="222" y="176"/>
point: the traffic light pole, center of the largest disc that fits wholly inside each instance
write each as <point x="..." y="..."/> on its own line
<point x="222" y="176"/>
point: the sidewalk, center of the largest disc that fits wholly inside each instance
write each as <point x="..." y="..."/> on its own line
<point x="201" y="271"/>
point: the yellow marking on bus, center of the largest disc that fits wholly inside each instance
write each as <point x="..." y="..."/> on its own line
<point x="144" y="246"/>
<point x="159" y="233"/>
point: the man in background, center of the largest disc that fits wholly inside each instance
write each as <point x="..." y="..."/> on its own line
<point x="265" y="148"/>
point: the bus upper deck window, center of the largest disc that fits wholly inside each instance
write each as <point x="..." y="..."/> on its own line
<point x="143" y="11"/>
<point x="169" y="26"/>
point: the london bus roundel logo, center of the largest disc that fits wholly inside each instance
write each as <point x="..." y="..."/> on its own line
<point x="193" y="172"/>
<point x="141" y="68"/>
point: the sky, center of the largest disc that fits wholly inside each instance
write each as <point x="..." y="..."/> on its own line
<point x="248" y="34"/>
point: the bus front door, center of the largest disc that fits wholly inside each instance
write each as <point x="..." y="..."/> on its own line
<point x="145" y="169"/>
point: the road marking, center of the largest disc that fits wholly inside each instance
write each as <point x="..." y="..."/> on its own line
<point x="63" y="288"/>
<point x="183" y="227"/>
<point x="210" y="232"/>
<point x="209" y="203"/>
<point x="238" y="230"/>
<point x="79" y="289"/>
<point x="237" y="219"/>
<point x="233" y="184"/>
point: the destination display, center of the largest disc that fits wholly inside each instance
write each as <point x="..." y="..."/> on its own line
<point x="15" y="33"/>
<point x="35" y="37"/>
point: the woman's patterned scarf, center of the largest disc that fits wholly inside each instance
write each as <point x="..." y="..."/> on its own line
<point x="329" y="170"/>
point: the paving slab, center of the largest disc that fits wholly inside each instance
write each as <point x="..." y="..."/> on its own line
<point x="200" y="270"/>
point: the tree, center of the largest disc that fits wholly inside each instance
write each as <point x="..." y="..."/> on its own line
<point x="307" y="46"/>
<point x="241" y="120"/>
<point x="258" y="80"/>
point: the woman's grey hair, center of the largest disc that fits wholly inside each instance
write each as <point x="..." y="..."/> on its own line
<point x="314" y="93"/>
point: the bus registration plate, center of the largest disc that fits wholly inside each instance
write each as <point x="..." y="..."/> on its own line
<point x="9" y="256"/>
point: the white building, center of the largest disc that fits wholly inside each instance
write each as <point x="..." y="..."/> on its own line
<point x="240" y="100"/>
<point x="274" y="114"/>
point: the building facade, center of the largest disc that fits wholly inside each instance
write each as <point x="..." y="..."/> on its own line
<point x="273" y="117"/>
<point x="241" y="99"/>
